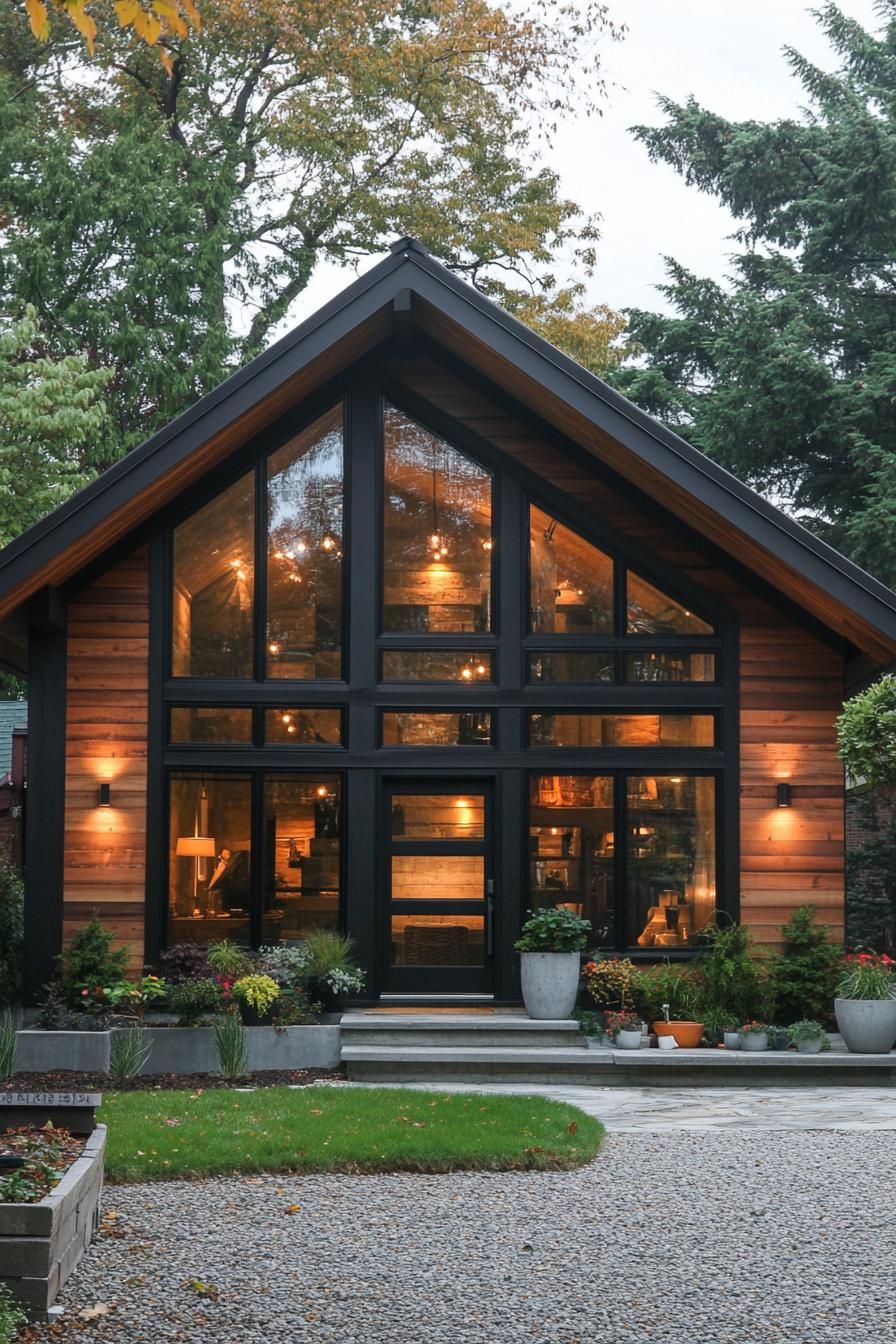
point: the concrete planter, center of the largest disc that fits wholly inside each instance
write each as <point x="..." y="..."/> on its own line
<point x="40" y="1244"/>
<point x="179" y="1049"/>
<point x="46" y="1051"/>
<point x="868" y="1026"/>
<point x="550" y="983"/>
<point x="754" y="1041"/>
<point x="628" y="1040"/>
<point x="810" y="1047"/>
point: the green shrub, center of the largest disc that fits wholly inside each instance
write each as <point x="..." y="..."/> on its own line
<point x="12" y="932"/>
<point x="327" y="951"/>
<point x="734" y="983"/>
<point x="129" y="1050"/>
<point x="258" y="991"/>
<point x="804" y="975"/>
<point x="228" y="960"/>
<point x="195" y="1000"/>
<point x="293" y="1007"/>
<point x="11" y="1315"/>
<point x="230" y="1043"/>
<point x="89" y="962"/>
<point x="553" y="930"/>
<point x="7" y="1044"/>
<point x="667" y="983"/>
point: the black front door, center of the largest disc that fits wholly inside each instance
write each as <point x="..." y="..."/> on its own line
<point x="437" y="887"/>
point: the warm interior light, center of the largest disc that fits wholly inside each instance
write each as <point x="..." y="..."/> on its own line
<point x="287" y="718"/>
<point x="328" y="543"/>
<point x="480" y="669"/>
<point x="274" y="648"/>
<point x="486" y="545"/>
<point x="466" y="674"/>
<point x="321" y="791"/>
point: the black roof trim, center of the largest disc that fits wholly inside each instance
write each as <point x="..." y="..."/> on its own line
<point x="410" y="266"/>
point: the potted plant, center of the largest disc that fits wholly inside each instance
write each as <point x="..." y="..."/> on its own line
<point x="593" y="1028"/>
<point x="330" y="971"/>
<point x="550" y="948"/>
<point x="256" y="995"/>
<point x="809" y="1037"/>
<point x="778" y="1038"/>
<point x="668" y="995"/>
<point x="625" y="1029"/>
<point x="754" y="1036"/>
<point x="865" y="1006"/>
<point x="610" y="981"/>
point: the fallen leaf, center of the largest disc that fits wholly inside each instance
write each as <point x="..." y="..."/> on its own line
<point x="91" y="1313"/>
<point x="572" y="1127"/>
<point x="293" y="1208"/>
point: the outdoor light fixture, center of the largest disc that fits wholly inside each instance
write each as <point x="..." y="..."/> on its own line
<point x="105" y="794"/>
<point x="784" y="795"/>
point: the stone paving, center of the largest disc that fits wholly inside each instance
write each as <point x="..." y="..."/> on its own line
<point x="626" y="1110"/>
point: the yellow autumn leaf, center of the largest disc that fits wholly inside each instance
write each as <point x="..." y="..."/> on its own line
<point x="39" y="19"/>
<point x="147" y="26"/>
<point x="191" y="12"/>
<point x="126" y="11"/>
<point x="168" y="63"/>
<point x="82" y="21"/>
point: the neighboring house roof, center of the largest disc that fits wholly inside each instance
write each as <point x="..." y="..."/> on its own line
<point x="411" y="289"/>
<point x="13" y="714"/>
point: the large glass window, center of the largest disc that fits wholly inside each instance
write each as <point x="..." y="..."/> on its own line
<point x="302" y="855"/>
<point x="209" y="857"/>
<point x="653" y="612"/>
<point x="467" y="667"/>
<point x="305" y="549"/>
<point x="213" y="586"/>
<point x="572" y="848"/>
<point x="570" y="580"/>
<point x="671" y="858"/>
<point x="433" y="728"/>
<point x="437" y="538"/>
<point x="591" y="729"/>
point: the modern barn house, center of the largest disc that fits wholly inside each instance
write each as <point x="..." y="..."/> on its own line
<point x="413" y="625"/>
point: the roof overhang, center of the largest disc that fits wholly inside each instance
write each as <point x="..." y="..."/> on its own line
<point x="409" y="289"/>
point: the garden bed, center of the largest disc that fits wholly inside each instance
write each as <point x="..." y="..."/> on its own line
<point x="179" y="1050"/>
<point x="68" y="1081"/>
<point x="42" y="1241"/>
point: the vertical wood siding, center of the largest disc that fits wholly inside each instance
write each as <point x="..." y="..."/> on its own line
<point x="106" y="737"/>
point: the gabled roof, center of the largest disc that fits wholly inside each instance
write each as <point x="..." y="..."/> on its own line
<point x="410" y="286"/>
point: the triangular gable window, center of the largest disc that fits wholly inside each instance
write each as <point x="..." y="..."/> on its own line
<point x="570" y="580"/>
<point x="653" y="612"/>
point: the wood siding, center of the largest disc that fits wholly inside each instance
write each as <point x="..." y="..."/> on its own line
<point x="106" y="741"/>
<point x="791" y="683"/>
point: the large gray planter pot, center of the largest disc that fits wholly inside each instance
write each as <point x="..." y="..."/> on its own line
<point x="868" y="1026"/>
<point x="550" y="983"/>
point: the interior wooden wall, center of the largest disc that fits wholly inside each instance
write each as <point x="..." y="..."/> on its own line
<point x="791" y="683"/>
<point x="106" y="734"/>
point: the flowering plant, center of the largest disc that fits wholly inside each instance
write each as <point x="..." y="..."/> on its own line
<point x="610" y="981"/>
<point x="134" y="997"/>
<point x="624" y="1021"/>
<point x="348" y="980"/>
<point x="867" y="975"/>
<point x="258" y="991"/>
<point x="755" y="1029"/>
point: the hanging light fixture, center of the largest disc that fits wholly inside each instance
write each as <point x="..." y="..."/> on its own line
<point x="437" y="548"/>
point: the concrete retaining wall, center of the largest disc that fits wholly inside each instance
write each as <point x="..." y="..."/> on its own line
<point x="179" y="1049"/>
<point x="40" y="1244"/>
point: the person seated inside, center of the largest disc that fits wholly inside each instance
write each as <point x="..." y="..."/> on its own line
<point x="229" y="883"/>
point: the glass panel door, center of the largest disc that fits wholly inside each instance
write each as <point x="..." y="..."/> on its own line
<point x="437" y="887"/>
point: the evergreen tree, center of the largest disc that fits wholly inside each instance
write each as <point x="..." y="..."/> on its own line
<point x="787" y="374"/>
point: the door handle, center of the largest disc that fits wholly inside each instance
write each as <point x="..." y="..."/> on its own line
<point x="490" y="923"/>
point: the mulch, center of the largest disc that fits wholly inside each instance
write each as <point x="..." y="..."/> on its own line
<point x="161" y="1082"/>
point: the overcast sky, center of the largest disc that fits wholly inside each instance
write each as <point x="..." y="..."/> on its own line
<point x="727" y="53"/>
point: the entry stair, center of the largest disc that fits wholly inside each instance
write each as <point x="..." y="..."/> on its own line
<point x="463" y="1047"/>
<point x="506" y="1046"/>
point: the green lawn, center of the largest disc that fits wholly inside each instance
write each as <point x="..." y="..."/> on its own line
<point x="159" y="1136"/>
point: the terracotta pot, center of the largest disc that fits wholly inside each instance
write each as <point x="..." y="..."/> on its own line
<point x="687" y="1034"/>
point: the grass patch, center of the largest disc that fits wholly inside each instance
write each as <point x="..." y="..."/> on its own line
<point x="160" y="1136"/>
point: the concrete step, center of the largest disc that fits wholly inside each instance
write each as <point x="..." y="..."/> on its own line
<point x="458" y="1031"/>
<point x="419" y="1063"/>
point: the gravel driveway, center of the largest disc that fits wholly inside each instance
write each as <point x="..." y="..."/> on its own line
<point x="682" y="1238"/>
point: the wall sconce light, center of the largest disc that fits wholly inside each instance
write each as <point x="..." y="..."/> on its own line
<point x="784" y="795"/>
<point x="105" y="795"/>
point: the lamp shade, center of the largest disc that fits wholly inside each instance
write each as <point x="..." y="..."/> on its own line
<point x="195" y="847"/>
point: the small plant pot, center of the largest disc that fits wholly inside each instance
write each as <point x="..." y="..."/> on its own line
<point x="779" y="1040"/>
<point x="810" y="1047"/>
<point x="732" y="1040"/>
<point x="597" y="1043"/>
<point x="628" y="1040"/>
<point x="666" y="1043"/>
<point x="754" y="1040"/>
<point x="688" y="1035"/>
<point x="252" y="1018"/>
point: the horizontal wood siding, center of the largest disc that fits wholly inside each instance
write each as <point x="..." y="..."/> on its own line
<point x="791" y="684"/>
<point x="106" y="737"/>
